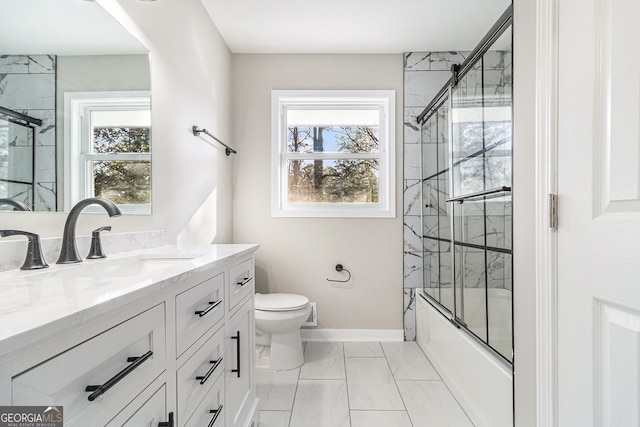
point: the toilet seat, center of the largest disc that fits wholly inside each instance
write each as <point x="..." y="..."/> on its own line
<point x="280" y="302"/>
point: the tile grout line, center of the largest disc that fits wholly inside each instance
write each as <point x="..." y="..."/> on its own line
<point x="395" y="381"/>
<point x="295" y="394"/>
<point x="346" y="383"/>
<point x="446" y="386"/>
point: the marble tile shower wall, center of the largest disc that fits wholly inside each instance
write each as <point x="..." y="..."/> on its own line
<point x="28" y="85"/>
<point x="424" y="75"/>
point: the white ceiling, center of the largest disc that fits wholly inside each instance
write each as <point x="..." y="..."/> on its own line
<point x="353" y="26"/>
<point x="62" y="27"/>
<point x="79" y="27"/>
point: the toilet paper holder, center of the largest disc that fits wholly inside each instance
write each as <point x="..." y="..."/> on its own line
<point x="340" y="268"/>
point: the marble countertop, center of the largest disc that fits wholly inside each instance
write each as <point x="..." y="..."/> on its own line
<point x="38" y="303"/>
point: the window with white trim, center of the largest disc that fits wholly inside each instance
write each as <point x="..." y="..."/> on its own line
<point x="107" y="149"/>
<point x="333" y="153"/>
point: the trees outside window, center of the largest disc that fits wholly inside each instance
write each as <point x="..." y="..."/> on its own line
<point x="333" y="181"/>
<point x="123" y="182"/>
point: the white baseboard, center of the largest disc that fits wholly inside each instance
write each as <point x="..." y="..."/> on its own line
<point x="352" y="335"/>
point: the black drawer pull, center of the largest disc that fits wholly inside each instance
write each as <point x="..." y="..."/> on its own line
<point x="212" y="305"/>
<point x="244" y="281"/>
<point x="99" y="390"/>
<point x="215" y="417"/>
<point x="206" y="376"/>
<point x="237" y="338"/>
<point x="167" y="423"/>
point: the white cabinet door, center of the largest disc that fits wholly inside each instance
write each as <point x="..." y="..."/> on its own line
<point x="599" y="229"/>
<point x="240" y="365"/>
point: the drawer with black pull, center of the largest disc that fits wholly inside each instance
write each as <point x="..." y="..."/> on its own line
<point x="210" y="412"/>
<point x="198" y="309"/>
<point x="242" y="282"/>
<point x="198" y="375"/>
<point x="94" y="380"/>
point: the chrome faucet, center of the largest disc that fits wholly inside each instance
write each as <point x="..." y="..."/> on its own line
<point x="17" y="205"/>
<point x="69" y="250"/>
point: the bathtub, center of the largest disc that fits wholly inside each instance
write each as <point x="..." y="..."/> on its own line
<point x="481" y="381"/>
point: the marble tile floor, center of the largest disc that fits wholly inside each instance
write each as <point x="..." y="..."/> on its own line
<point x="358" y="385"/>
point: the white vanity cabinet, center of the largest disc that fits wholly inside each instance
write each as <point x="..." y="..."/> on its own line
<point x="231" y="396"/>
<point x="200" y="345"/>
<point x="176" y="352"/>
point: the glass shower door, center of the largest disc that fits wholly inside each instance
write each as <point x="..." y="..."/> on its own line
<point x="481" y="120"/>
<point x="438" y="282"/>
<point x="498" y="101"/>
<point x="466" y="193"/>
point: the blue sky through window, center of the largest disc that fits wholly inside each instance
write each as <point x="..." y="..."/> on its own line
<point x="332" y="138"/>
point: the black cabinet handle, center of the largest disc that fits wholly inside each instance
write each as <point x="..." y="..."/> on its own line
<point x="99" y="390"/>
<point x="167" y="423"/>
<point x="206" y="376"/>
<point x="244" y="281"/>
<point x="237" y="338"/>
<point x="212" y="305"/>
<point x="215" y="417"/>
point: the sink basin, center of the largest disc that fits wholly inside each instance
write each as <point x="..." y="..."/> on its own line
<point x="138" y="265"/>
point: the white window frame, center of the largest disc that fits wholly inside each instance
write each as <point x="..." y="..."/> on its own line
<point x="77" y="136"/>
<point x="384" y="101"/>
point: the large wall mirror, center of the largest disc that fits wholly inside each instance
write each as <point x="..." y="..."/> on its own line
<point x="75" y="114"/>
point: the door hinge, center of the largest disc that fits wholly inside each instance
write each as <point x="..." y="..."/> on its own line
<point x="553" y="211"/>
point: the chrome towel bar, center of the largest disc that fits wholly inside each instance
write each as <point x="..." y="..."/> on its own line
<point x="227" y="150"/>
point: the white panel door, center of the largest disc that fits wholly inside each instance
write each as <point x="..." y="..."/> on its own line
<point x="599" y="230"/>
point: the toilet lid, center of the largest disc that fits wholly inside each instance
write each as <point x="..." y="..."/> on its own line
<point x="280" y="302"/>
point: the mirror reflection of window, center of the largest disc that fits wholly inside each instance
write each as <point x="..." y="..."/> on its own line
<point x="113" y="146"/>
<point x="49" y="48"/>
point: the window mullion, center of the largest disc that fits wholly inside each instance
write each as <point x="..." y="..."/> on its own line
<point x="113" y="157"/>
<point x="330" y="156"/>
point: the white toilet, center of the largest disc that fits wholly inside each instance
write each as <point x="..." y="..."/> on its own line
<point x="278" y="321"/>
